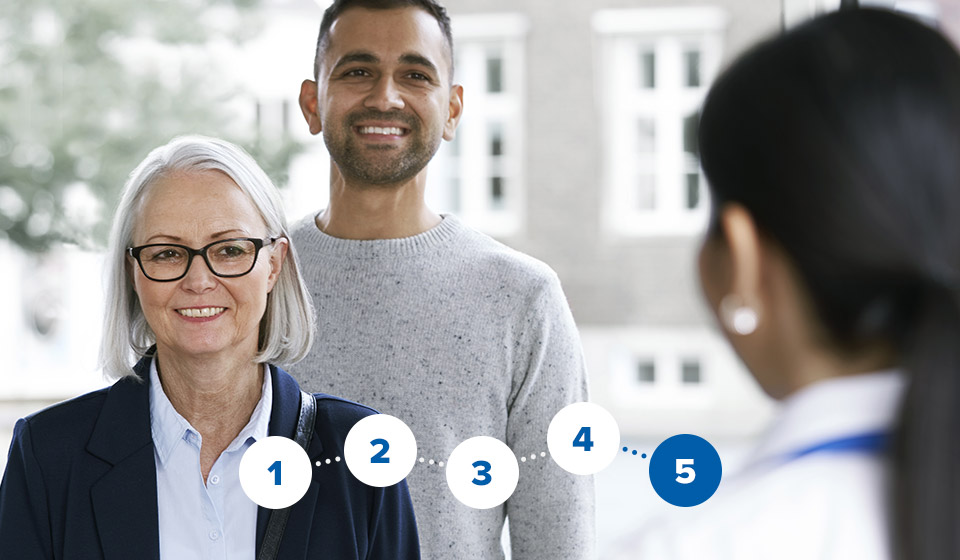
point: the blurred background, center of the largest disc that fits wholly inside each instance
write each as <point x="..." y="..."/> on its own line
<point x="577" y="146"/>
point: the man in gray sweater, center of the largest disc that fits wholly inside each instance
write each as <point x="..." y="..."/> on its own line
<point x="420" y="316"/>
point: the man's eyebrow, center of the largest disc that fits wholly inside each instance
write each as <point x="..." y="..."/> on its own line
<point x="357" y="56"/>
<point x="419" y="60"/>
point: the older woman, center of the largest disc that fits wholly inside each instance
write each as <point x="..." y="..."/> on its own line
<point x="204" y="288"/>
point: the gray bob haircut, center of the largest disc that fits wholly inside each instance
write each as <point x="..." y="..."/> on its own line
<point x="287" y="327"/>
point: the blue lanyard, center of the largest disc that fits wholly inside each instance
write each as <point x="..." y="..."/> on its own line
<point x="869" y="442"/>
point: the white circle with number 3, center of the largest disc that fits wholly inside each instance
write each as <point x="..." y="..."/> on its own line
<point x="583" y="438"/>
<point x="380" y="450"/>
<point x="275" y="472"/>
<point x="482" y="472"/>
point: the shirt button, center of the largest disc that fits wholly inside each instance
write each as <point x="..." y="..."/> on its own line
<point x="214" y="479"/>
<point x="214" y="535"/>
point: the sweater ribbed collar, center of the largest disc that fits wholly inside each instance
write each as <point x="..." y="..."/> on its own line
<point x="448" y="228"/>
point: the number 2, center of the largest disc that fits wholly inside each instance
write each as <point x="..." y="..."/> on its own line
<point x="583" y="439"/>
<point x="379" y="457"/>
<point x="483" y="471"/>
<point x="685" y="473"/>
<point x="275" y="469"/>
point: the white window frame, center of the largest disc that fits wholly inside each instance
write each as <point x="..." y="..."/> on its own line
<point x="668" y="348"/>
<point x="474" y="37"/>
<point x="670" y="32"/>
<point x="796" y="12"/>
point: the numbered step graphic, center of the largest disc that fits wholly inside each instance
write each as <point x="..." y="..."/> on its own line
<point x="583" y="438"/>
<point x="685" y="470"/>
<point x="482" y="472"/>
<point x="380" y="450"/>
<point x="275" y="472"/>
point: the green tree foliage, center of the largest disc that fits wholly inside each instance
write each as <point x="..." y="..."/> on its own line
<point x="78" y="110"/>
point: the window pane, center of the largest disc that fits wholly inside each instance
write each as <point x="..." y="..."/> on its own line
<point x="646" y="136"/>
<point x="690" y="373"/>
<point x="691" y="61"/>
<point x="691" y="125"/>
<point x="494" y="73"/>
<point x="496" y="139"/>
<point x="648" y="69"/>
<point x="455" y="143"/>
<point x="646" y="372"/>
<point x="693" y="190"/>
<point x="646" y="192"/>
<point x="455" y="194"/>
<point x="496" y="193"/>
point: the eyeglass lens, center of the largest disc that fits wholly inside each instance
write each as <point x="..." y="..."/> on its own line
<point x="227" y="258"/>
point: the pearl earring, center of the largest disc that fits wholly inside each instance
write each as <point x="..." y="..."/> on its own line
<point x="737" y="316"/>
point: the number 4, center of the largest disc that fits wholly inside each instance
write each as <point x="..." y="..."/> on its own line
<point x="583" y="439"/>
<point x="685" y="474"/>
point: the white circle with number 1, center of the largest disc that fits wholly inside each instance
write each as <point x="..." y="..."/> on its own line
<point x="275" y="472"/>
<point x="380" y="450"/>
<point x="482" y="472"/>
<point x="583" y="438"/>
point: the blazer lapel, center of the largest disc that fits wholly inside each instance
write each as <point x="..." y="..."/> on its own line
<point x="283" y="422"/>
<point x="125" y="498"/>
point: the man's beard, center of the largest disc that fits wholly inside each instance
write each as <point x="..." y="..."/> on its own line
<point x="378" y="164"/>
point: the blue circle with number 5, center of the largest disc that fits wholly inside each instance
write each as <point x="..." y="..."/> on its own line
<point x="685" y="470"/>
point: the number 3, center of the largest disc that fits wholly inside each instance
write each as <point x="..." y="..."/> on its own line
<point x="483" y="471"/>
<point x="685" y="474"/>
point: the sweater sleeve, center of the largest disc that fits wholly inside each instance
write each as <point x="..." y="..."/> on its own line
<point x="24" y="518"/>
<point x="551" y="513"/>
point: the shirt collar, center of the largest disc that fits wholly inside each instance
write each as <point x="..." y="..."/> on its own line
<point x="834" y="408"/>
<point x="169" y="428"/>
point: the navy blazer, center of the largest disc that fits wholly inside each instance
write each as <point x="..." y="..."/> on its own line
<point x="81" y="483"/>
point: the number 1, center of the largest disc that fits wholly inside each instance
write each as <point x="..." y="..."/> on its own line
<point x="275" y="469"/>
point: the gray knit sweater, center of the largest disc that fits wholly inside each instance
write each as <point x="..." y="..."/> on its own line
<point x="458" y="336"/>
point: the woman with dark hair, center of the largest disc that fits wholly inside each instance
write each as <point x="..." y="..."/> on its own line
<point x="832" y="262"/>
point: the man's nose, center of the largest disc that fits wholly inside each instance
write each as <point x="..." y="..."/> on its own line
<point x="385" y="95"/>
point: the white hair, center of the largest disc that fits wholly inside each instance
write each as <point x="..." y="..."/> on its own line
<point x="287" y="327"/>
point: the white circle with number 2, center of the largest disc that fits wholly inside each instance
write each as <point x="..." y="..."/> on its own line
<point x="482" y="472"/>
<point x="583" y="438"/>
<point x="380" y="450"/>
<point x="275" y="472"/>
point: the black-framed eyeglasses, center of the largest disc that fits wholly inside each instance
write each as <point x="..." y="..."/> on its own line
<point x="226" y="258"/>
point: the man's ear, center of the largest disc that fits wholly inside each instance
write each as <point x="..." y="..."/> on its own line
<point x="309" y="105"/>
<point x="453" y="115"/>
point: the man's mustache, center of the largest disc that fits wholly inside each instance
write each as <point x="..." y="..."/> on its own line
<point x="390" y="116"/>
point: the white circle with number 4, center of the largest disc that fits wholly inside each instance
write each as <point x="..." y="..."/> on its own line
<point x="380" y="450"/>
<point x="482" y="472"/>
<point x="583" y="438"/>
<point x="275" y="472"/>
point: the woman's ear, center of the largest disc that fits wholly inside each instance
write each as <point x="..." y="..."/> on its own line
<point x="277" y="256"/>
<point x="740" y="309"/>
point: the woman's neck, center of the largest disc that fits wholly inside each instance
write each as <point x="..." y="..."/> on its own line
<point x="217" y="396"/>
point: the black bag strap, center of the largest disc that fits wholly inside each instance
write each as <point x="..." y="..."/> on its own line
<point x="278" y="517"/>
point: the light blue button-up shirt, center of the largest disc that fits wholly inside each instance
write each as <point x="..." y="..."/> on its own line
<point x="197" y="521"/>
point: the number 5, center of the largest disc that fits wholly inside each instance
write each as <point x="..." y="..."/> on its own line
<point x="685" y="474"/>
